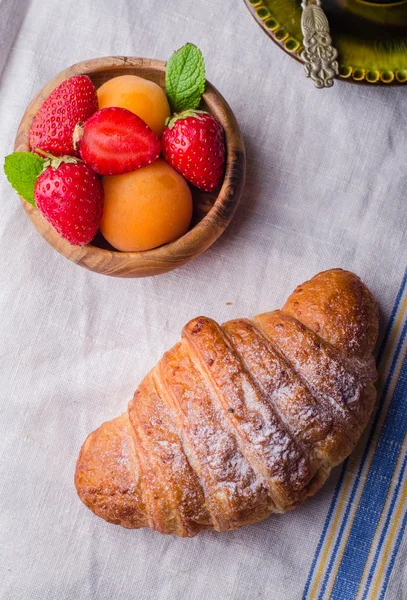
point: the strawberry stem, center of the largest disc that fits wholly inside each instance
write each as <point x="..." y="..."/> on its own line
<point x="43" y="153"/>
<point x="77" y="134"/>
<point x="55" y="161"/>
<point x="183" y="115"/>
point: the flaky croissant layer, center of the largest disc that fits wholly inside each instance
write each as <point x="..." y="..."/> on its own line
<point x="241" y="420"/>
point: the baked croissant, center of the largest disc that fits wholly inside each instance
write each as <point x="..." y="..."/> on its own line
<point x="241" y="420"/>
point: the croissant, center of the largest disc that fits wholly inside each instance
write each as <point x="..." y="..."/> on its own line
<point x="241" y="420"/>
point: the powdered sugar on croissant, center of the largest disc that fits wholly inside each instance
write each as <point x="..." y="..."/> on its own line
<point x="241" y="420"/>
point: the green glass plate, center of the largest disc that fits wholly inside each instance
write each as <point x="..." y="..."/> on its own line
<point x="371" y="37"/>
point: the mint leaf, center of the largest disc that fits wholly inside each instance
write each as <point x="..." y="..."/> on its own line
<point x="22" y="170"/>
<point x="185" y="78"/>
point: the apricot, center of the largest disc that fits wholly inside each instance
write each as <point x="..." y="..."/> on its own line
<point x="143" y="97"/>
<point x="145" y="208"/>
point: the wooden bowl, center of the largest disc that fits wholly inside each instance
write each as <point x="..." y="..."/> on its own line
<point x="212" y="212"/>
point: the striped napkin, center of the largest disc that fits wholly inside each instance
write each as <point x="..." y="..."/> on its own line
<point x="364" y="527"/>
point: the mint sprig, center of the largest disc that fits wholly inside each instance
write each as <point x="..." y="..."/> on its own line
<point x="185" y="78"/>
<point x="22" y="170"/>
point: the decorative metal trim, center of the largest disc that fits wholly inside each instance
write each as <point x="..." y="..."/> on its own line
<point x="285" y="39"/>
<point x="319" y="55"/>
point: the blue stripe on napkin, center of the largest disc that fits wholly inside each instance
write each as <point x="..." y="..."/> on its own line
<point x="374" y="494"/>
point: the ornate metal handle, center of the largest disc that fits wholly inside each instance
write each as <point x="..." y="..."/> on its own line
<point x="319" y="55"/>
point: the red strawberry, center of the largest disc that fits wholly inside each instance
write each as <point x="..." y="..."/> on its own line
<point x="70" y="196"/>
<point x="115" y="140"/>
<point x="194" y="144"/>
<point x="73" y="101"/>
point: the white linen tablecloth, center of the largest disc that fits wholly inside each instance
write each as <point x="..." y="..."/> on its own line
<point x="326" y="187"/>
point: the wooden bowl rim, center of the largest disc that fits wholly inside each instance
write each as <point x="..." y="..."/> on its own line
<point x="197" y="239"/>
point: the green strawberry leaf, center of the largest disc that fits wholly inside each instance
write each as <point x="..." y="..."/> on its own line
<point x="22" y="170"/>
<point x="185" y="78"/>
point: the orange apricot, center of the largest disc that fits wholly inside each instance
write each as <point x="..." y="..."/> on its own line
<point x="145" y="208"/>
<point x="143" y="97"/>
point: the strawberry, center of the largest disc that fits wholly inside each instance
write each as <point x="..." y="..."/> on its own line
<point x="72" y="101"/>
<point x="193" y="143"/>
<point x="70" y="196"/>
<point x="115" y="140"/>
